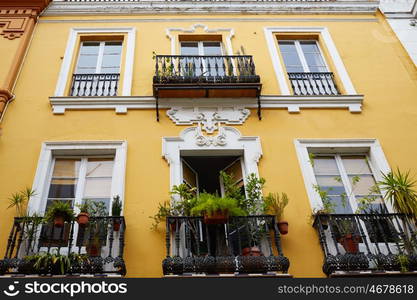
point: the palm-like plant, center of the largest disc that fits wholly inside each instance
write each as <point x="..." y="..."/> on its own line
<point x="19" y="201"/>
<point x="400" y="192"/>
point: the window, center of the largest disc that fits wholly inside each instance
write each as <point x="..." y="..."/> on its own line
<point x="306" y="68"/>
<point x="98" y="69"/>
<point x="300" y="64"/>
<point x="75" y="180"/>
<point x="347" y="179"/>
<point x="78" y="179"/>
<point x="302" y="56"/>
<point x="97" y="62"/>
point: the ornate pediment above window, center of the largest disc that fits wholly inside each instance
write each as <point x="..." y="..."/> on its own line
<point x="209" y="117"/>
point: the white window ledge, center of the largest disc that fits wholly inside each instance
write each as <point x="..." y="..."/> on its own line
<point x="122" y="103"/>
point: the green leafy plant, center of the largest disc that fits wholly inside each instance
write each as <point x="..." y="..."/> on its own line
<point x="403" y="261"/>
<point x="116" y="207"/>
<point x="61" y="209"/>
<point x="210" y="204"/>
<point x="274" y="204"/>
<point x="399" y="190"/>
<point x="175" y="207"/>
<point x="254" y="186"/>
<point x="231" y="189"/>
<point x="55" y="262"/>
<point x="19" y="201"/>
<point x="84" y="207"/>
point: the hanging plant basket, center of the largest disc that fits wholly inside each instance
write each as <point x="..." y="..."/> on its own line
<point x="218" y="217"/>
<point x="283" y="227"/>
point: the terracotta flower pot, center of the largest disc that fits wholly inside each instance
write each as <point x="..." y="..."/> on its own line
<point x="251" y="251"/>
<point x="350" y="243"/>
<point x="218" y="217"/>
<point x="83" y="219"/>
<point x="116" y="225"/>
<point x="283" y="227"/>
<point x="59" y="221"/>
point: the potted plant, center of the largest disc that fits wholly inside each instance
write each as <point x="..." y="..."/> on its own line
<point x="19" y="201"/>
<point x="216" y="210"/>
<point x="97" y="229"/>
<point x="347" y="237"/>
<point x="83" y="217"/>
<point x="275" y="204"/>
<point x="59" y="213"/>
<point x="328" y="207"/>
<point x="400" y="191"/>
<point x="116" y="210"/>
<point x="56" y="264"/>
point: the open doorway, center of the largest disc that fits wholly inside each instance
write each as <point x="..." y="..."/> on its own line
<point x="203" y="172"/>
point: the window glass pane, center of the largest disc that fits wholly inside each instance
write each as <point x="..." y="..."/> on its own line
<point x="342" y="205"/>
<point x="212" y="48"/>
<point x="361" y="185"/>
<point x="99" y="167"/>
<point x="286" y="46"/>
<point x="331" y="184"/>
<point x="325" y="165"/>
<point x="189" y="48"/>
<point x="356" y="165"/>
<point x="290" y="56"/>
<point x="64" y="178"/>
<point x="113" y="48"/>
<point x="66" y="168"/>
<point x="313" y="56"/>
<point x="97" y="187"/>
<point x="309" y="47"/>
<point x="87" y="60"/>
<point x="90" y="48"/>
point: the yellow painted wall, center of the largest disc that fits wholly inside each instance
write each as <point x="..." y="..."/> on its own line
<point x="373" y="58"/>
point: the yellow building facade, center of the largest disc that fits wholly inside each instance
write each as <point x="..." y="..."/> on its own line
<point x="129" y="98"/>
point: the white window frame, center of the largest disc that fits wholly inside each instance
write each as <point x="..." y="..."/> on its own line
<point x="51" y="150"/>
<point x="281" y="75"/>
<point x="376" y="158"/>
<point x="301" y="55"/>
<point x="64" y="73"/>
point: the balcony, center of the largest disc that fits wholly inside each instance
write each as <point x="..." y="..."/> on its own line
<point x="367" y="244"/>
<point x="90" y="85"/>
<point x="94" y="249"/>
<point x="179" y="76"/>
<point x="313" y="84"/>
<point x="242" y="246"/>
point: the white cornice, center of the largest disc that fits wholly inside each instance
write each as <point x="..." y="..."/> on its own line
<point x="121" y="104"/>
<point x="210" y="7"/>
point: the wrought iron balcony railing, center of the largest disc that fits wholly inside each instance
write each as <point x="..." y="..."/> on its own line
<point x="231" y="69"/>
<point x="88" y="85"/>
<point x="243" y="245"/>
<point x="313" y="84"/>
<point x="94" y="249"/>
<point x="367" y="242"/>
